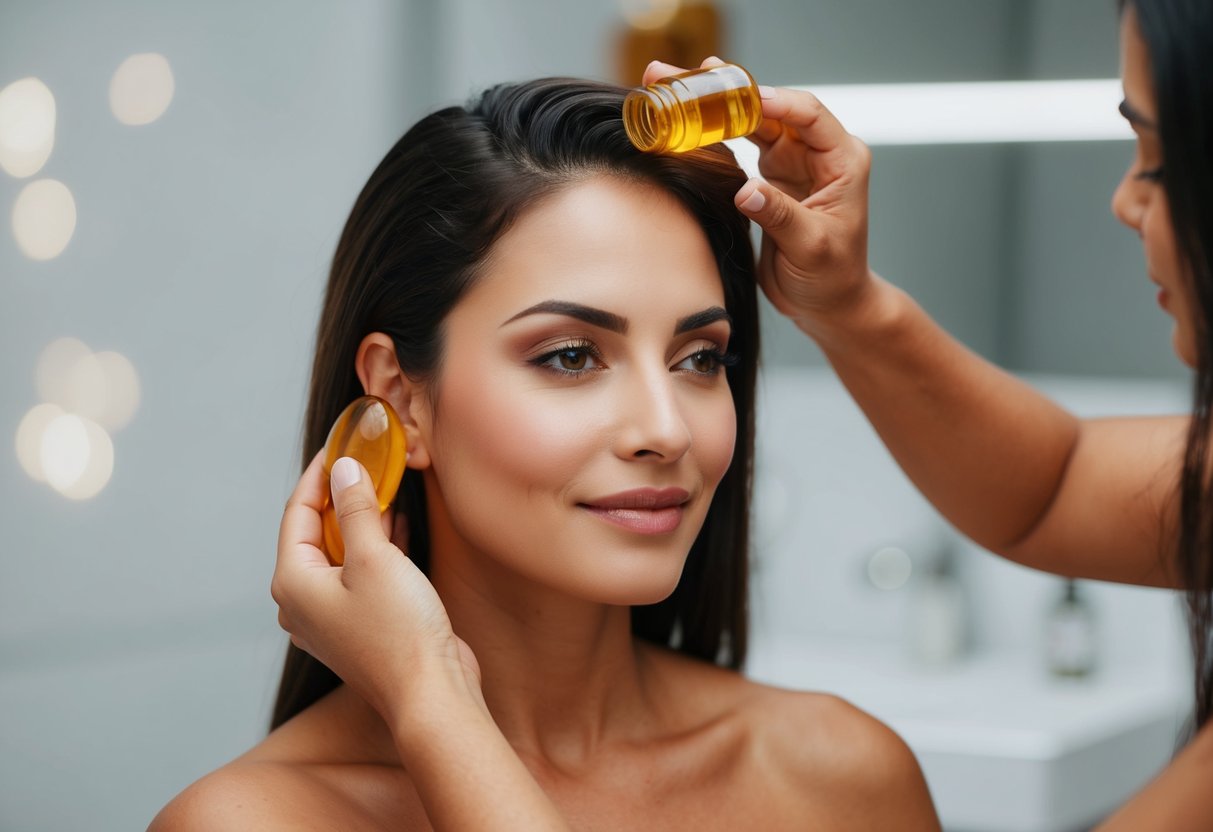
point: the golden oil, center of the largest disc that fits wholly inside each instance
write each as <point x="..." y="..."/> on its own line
<point x="369" y="431"/>
<point x="693" y="109"/>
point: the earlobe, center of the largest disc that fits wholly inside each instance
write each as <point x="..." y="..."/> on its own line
<point x="381" y="375"/>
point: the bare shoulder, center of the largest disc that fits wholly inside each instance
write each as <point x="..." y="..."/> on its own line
<point x="841" y="759"/>
<point x="833" y="760"/>
<point x="247" y="795"/>
<point x="317" y="771"/>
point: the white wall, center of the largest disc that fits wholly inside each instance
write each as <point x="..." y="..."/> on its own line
<point x="138" y="642"/>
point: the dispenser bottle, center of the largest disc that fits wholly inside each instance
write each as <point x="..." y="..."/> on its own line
<point x="693" y="109"/>
<point x="1071" y="634"/>
<point x="938" y="612"/>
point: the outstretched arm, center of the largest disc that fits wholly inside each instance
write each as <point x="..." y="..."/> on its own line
<point x="1008" y="467"/>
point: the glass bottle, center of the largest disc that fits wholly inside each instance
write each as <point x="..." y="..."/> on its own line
<point x="693" y="109"/>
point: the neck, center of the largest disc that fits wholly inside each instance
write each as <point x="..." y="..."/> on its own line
<point x="560" y="675"/>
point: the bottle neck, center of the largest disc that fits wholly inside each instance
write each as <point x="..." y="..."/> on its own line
<point x="668" y="113"/>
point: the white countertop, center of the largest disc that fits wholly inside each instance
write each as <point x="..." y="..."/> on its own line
<point x="1004" y="746"/>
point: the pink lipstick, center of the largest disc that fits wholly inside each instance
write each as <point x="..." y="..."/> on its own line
<point x="642" y="510"/>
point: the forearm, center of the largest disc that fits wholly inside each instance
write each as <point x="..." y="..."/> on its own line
<point x="1178" y="800"/>
<point x="464" y="770"/>
<point x="986" y="449"/>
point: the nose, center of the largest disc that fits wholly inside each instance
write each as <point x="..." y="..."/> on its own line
<point x="1127" y="204"/>
<point x="652" y="422"/>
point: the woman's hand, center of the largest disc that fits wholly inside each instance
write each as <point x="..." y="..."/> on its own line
<point x="813" y="206"/>
<point x="375" y="621"/>
<point x="378" y="624"/>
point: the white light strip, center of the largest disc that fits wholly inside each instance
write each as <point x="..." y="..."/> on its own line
<point x="962" y="113"/>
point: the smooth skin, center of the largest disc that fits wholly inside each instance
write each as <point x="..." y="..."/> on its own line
<point x="1091" y="498"/>
<point x="545" y="712"/>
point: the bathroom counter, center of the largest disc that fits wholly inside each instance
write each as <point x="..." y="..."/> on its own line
<point x="1005" y="746"/>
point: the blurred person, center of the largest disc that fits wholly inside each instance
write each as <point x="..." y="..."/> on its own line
<point x="1127" y="500"/>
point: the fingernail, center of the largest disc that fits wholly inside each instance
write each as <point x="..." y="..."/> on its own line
<point x="754" y="202"/>
<point x="765" y="92"/>
<point x="345" y="473"/>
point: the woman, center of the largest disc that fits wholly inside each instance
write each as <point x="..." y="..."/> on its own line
<point x="1124" y="500"/>
<point x="568" y="331"/>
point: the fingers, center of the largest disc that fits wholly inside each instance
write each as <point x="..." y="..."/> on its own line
<point x="301" y="536"/>
<point x="811" y="144"/>
<point x="657" y="70"/>
<point x="802" y="110"/>
<point x="300" y="548"/>
<point x="782" y="217"/>
<point x="769" y="130"/>
<point x="357" y="508"/>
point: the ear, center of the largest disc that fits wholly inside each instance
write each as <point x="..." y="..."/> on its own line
<point x="381" y="375"/>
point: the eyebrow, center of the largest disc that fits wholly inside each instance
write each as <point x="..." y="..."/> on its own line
<point x="618" y="323"/>
<point x="1133" y="117"/>
<point x="701" y="319"/>
<point x="594" y="317"/>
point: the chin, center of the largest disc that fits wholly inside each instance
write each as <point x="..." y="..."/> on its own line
<point x="1184" y="348"/>
<point x="643" y="587"/>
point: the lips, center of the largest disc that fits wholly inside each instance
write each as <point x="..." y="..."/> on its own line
<point x="642" y="510"/>
<point x="1162" y="292"/>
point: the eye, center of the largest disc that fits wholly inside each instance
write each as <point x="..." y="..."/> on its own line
<point x="1151" y="175"/>
<point x="570" y="359"/>
<point x="707" y="362"/>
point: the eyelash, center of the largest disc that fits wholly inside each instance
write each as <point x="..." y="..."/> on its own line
<point x="586" y="347"/>
<point x="1152" y="175"/>
<point x="720" y="359"/>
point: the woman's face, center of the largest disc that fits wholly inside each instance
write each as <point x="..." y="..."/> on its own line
<point x="581" y="420"/>
<point x="1140" y="201"/>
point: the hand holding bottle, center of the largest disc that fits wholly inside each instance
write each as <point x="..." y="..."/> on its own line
<point x="812" y="206"/>
<point x="375" y="621"/>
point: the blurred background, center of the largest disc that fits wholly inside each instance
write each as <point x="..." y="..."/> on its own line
<point x="175" y="178"/>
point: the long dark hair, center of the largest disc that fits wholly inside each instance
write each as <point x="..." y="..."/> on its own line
<point x="1179" y="38"/>
<point x="412" y="246"/>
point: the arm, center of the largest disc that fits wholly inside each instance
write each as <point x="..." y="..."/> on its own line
<point x="1004" y="464"/>
<point x="379" y="625"/>
<point x="1007" y="466"/>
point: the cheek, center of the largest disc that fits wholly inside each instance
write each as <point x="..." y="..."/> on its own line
<point x="501" y="438"/>
<point x="714" y="429"/>
<point x="1158" y="237"/>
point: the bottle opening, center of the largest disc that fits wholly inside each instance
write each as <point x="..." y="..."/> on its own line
<point x="642" y="121"/>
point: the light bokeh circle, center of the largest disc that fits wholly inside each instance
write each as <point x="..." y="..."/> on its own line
<point x="29" y="438"/>
<point x="55" y="368"/>
<point x="27" y="126"/>
<point x="77" y="456"/>
<point x="44" y="219"/>
<point x="141" y="88"/>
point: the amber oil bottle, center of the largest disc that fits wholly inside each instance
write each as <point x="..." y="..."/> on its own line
<point x="693" y="109"/>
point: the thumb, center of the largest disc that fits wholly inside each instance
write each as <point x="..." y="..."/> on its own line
<point x="357" y="509"/>
<point x="781" y="217"/>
